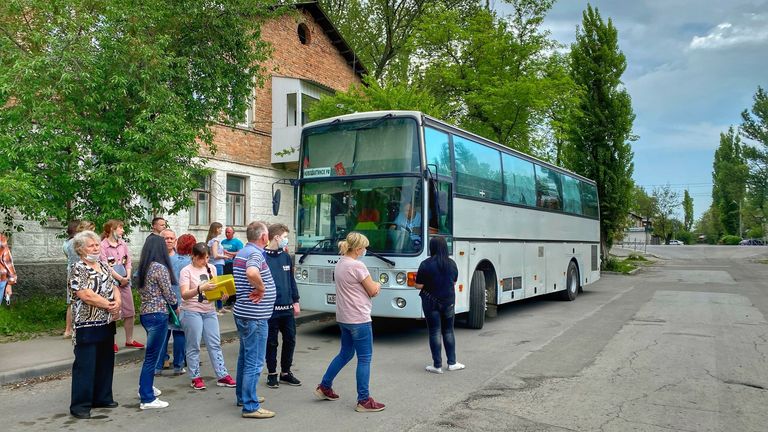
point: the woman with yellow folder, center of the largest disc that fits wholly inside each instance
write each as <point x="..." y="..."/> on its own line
<point x="199" y="319"/>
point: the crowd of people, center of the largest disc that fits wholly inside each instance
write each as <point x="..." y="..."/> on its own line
<point x="174" y="278"/>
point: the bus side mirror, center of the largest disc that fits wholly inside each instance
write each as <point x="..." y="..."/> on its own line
<point x="276" y="202"/>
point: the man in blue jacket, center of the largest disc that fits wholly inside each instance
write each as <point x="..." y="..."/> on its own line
<point x="286" y="308"/>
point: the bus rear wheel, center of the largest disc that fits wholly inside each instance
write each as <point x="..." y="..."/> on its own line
<point x="571" y="283"/>
<point x="476" y="316"/>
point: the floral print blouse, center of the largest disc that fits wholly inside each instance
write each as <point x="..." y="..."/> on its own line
<point x="157" y="292"/>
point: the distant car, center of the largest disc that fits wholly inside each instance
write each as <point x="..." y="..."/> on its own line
<point x="676" y="242"/>
<point x="751" y="242"/>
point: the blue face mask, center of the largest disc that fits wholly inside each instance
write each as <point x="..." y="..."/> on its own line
<point x="283" y="243"/>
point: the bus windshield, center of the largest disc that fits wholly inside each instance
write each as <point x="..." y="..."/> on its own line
<point x="371" y="146"/>
<point x="386" y="210"/>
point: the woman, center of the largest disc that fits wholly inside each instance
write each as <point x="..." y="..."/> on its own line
<point x="94" y="309"/>
<point x="155" y="280"/>
<point x="436" y="278"/>
<point x="178" y="252"/>
<point x="354" y="291"/>
<point x="114" y="251"/>
<point x="199" y="320"/>
<point x="218" y="257"/>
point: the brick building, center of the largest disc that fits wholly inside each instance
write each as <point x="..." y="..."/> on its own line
<point x="309" y="59"/>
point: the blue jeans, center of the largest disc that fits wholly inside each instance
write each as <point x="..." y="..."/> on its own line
<point x="250" y="361"/>
<point x="178" y="351"/>
<point x="156" y="326"/>
<point x="440" y="317"/>
<point x="203" y="325"/>
<point x="355" y="338"/>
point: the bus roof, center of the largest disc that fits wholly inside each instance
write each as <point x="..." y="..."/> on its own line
<point x="420" y="117"/>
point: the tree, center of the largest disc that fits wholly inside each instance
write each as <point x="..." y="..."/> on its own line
<point x="643" y="204"/>
<point x="501" y="75"/>
<point x="755" y="127"/>
<point x="381" y="31"/>
<point x="729" y="179"/>
<point x="600" y="129"/>
<point x="667" y="202"/>
<point x="709" y="225"/>
<point x="687" y="211"/>
<point x="104" y="105"/>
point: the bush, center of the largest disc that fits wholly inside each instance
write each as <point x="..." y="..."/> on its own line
<point x="685" y="236"/>
<point x="636" y="257"/>
<point x="619" y="266"/>
<point x="730" y="240"/>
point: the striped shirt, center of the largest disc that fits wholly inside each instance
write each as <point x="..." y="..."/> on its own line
<point x="252" y="256"/>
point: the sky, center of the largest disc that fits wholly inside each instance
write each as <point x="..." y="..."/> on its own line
<point x="692" y="67"/>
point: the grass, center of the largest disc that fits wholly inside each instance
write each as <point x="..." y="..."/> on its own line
<point x="620" y="266"/>
<point x="636" y="257"/>
<point x="39" y="316"/>
<point x="31" y="318"/>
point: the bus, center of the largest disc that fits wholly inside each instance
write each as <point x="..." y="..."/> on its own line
<point x="517" y="227"/>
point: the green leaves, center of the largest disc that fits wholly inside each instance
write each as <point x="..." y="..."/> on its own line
<point x="103" y="105"/>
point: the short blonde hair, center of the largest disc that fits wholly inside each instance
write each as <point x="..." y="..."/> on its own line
<point x="353" y="241"/>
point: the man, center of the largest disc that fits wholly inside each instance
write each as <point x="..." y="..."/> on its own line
<point x="255" y="292"/>
<point x="7" y="270"/>
<point x="158" y="225"/>
<point x="286" y="308"/>
<point x="409" y="220"/>
<point x="232" y="246"/>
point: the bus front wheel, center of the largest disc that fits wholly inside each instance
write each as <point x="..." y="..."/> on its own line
<point x="476" y="316"/>
<point x="571" y="283"/>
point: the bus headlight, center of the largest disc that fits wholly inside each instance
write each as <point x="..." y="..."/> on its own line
<point x="383" y="278"/>
<point x="304" y="274"/>
<point x="298" y="273"/>
<point x="400" y="278"/>
<point x="400" y="302"/>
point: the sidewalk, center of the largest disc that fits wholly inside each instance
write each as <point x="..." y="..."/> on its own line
<point x="53" y="354"/>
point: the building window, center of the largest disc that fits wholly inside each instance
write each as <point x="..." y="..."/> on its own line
<point x="306" y="103"/>
<point x="200" y="212"/>
<point x="247" y="121"/>
<point x="291" y="109"/>
<point x="304" y="36"/>
<point x="236" y="200"/>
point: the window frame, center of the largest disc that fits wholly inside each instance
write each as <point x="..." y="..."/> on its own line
<point x="194" y="212"/>
<point x="230" y="206"/>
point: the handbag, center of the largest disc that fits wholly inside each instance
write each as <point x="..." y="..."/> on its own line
<point x="172" y="317"/>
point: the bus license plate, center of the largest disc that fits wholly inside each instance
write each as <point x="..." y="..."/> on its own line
<point x="330" y="298"/>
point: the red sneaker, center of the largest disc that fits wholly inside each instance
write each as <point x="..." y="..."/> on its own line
<point x="198" y="384"/>
<point x="326" y="393"/>
<point x="134" y="344"/>
<point x="369" y="405"/>
<point x="115" y="347"/>
<point x="227" y="381"/>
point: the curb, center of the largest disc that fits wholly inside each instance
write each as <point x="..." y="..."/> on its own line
<point x="122" y="356"/>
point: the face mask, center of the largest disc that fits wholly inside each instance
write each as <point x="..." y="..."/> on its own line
<point x="283" y="243"/>
<point x="363" y="254"/>
<point x="92" y="258"/>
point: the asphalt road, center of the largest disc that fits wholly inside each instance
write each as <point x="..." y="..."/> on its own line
<point x="681" y="345"/>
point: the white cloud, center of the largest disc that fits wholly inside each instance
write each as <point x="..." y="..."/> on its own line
<point x="753" y="30"/>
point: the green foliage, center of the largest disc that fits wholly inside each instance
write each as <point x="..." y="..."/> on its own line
<point x="756" y="232"/>
<point x="755" y="127"/>
<point x="614" y="264"/>
<point x="667" y="201"/>
<point x="729" y="180"/>
<point x="104" y="104"/>
<point x="501" y="76"/>
<point x="600" y="129"/>
<point x="685" y="236"/>
<point x="730" y="240"/>
<point x="636" y="257"/>
<point x="372" y="96"/>
<point x="32" y="316"/>
<point x="643" y="204"/>
<point x="688" y="210"/>
<point x="709" y="225"/>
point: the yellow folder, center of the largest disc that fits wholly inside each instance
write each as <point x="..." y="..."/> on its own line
<point x="225" y="284"/>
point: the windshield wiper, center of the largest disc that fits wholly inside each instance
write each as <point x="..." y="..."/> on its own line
<point x="373" y="123"/>
<point x="386" y="260"/>
<point x="309" y="251"/>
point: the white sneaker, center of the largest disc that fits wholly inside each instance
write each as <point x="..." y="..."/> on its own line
<point x="456" y="366"/>
<point x="155" y="392"/>
<point x="434" y="369"/>
<point x="155" y="404"/>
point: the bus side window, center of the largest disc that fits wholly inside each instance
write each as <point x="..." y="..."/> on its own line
<point x="439" y="207"/>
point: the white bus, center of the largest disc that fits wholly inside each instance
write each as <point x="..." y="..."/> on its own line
<point x="517" y="227"/>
